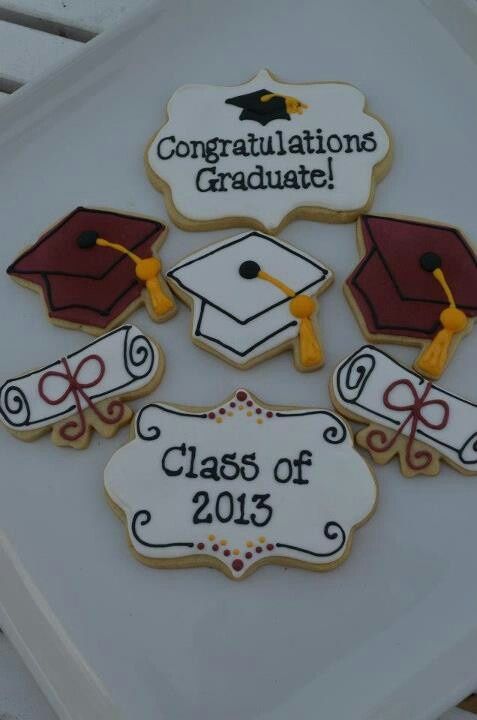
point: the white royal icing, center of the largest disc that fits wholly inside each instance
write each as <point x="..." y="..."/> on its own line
<point x="343" y="166"/>
<point x="359" y="384"/>
<point x="314" y="503"/>
<point x="130" y="362"/>
<point x="243" y="319"/>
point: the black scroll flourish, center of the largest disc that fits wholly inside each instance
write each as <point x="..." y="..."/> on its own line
<point x="357" y="372"/>
<point x="332" y="531"/>
<point x="138" y="355"/>
<point x="146" y="431"/>
<point x="143" y="517"/>
<point x="336" y="433"/>
<point x="15" y="403"/>
<point x="468" y="451"/>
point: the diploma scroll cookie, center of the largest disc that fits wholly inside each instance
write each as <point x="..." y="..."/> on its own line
<point x="253" y="296"/>
<point x="406" y="414"/>
<point x="95" y="267"/>
<point x="416" y="284"/>
<point x="84" y="390"/>
<point x="240" y="485"/>
<point x="266" y="152"/>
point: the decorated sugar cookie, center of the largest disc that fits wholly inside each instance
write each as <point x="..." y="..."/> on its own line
<point x="95" y="267"/>
<point x="266" y="152"/>
<point x="253" y="296"/>
<point x="84" y="390"/>
<point x="416" y="285"/>
<point x="406" y="415"/>
<point x="240" y="485"/>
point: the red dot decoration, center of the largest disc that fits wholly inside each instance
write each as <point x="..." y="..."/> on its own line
<point x="237" y="565"/>
<point x="249" y="403"/>
<point x="258" y="411"/>
<point x="211" y="415"/>
<point x="200" y="546"/>
<point x="269" y="414"/>
<point x="222" y="411"/>
<point x="241" y="396"/>
<point x="258" y="549"/>
<point x="270" y="546"/>
<point x="248" y="555"/>
<point x="215" y="547"/>
<point x="226" y="553"/>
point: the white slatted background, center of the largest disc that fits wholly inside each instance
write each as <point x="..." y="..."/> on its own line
<point x="34" y="36"/>
<point x="37" y="34"/>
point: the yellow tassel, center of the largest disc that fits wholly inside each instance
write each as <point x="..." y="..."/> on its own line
<point x="311" y="354"/>
<point x="148" y="270"/>
<point x="301" y="307"/>
<point x="292" y="104"/>
<point x="161" y="303"/>
<point x="434" y="358"/>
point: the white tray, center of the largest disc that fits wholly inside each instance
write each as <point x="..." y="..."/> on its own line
<point x="392" y="634"/>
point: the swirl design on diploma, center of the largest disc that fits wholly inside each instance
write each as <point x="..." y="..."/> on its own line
<point x="14" y="406"/>
<point x="354" y="375"/>
<point x="139" y="355"/>
<point x="468" y="451"/>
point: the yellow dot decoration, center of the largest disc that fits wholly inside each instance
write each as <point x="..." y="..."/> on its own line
<point x="249" y="543"/>
<point x="249" y="413"/>
<point x="259" y="421"/>
<point x="230" y="414"/>
<point x="223" y="542"/>
<point x="235" y="551"/>
<point x="218" y="420"/>
<point x="262" y="538"/>
<point x="211" y="537"/>
<point x="240" y="407"/>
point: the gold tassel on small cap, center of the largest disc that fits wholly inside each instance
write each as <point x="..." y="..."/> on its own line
<point x="434" y="358"/>
<point x="292" y="104"/>
<point x="301" y="307"/>
<point x="147" y="270"/>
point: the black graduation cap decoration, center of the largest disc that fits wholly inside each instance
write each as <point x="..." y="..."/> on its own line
<point x="263" y="106"/>
<point x="416" y="283"/>
<point x="252" y="297"/>
<point x="95" y="267"/>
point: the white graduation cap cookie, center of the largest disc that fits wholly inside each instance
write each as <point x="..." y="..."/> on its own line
<point x="252" y="296"/>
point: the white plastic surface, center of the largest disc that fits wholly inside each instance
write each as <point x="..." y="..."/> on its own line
<point x="20" y="696"/>
<point x="95" y="15"/>
<point x="393" y="633"/>
<point x="25" y="53"/>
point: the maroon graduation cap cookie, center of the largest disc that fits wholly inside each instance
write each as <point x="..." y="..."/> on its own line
<point x="95" y="267"/>
<point x="415" y="284"/>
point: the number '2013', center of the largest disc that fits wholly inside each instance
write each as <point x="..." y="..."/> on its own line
<point x="240" y="510"/>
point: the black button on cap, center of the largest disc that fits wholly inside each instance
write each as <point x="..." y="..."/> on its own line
<point x="87" y="239"/>
<point x="249" y="269"/>
<point x="430" y="261"/>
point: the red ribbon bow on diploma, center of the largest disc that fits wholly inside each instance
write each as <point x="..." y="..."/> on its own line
<point x="74" y="429"/>
<point x="421" y="458"/>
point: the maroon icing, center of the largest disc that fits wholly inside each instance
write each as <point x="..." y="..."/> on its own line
<point x="393" y="293"/>
<point x="88" y="286"/>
